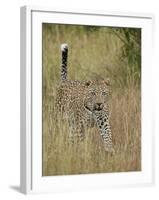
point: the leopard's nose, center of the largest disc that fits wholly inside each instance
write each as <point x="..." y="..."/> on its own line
<point x="99" y="106"/>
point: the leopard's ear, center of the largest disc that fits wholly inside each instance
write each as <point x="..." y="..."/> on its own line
<point x="107" y="81"/>
<point x="88" y="83"/>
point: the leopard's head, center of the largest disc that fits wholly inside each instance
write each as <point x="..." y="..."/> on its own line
<point x="97" y="94"/>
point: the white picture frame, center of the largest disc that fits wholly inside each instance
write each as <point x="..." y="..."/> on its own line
<point x="31" y="101"/>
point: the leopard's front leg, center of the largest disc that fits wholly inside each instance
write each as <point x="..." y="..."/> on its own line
<point x="102" y="121"/>
<point x="76" y="129"/>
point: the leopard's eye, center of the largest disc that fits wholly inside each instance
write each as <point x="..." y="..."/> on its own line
<point x="93" y="93"/>
<point x="103" y="93"/>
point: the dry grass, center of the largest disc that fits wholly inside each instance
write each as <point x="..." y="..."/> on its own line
<point x="91" y="54"/>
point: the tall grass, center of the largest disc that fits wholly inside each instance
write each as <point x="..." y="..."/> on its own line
<point x="93" y="52"/>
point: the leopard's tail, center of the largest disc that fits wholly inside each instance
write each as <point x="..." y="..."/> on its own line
<point x="64" y="51"/>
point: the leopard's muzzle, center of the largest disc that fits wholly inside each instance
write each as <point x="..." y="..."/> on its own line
<point x="98" y="106"/>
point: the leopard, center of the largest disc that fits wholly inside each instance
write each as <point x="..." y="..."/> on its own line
<point x="85" y="104"/>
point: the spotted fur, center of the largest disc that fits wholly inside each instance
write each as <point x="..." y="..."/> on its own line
<point x="64" y="50"/>
<point x="102" y="121"/>
<point x="84" y="104"/>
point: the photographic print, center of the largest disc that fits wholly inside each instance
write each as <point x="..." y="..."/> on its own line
<point x="91" y="99"/>
<point x="86" y="100"/>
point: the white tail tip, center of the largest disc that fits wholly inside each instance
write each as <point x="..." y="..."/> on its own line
<point x="64" y="46"/>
